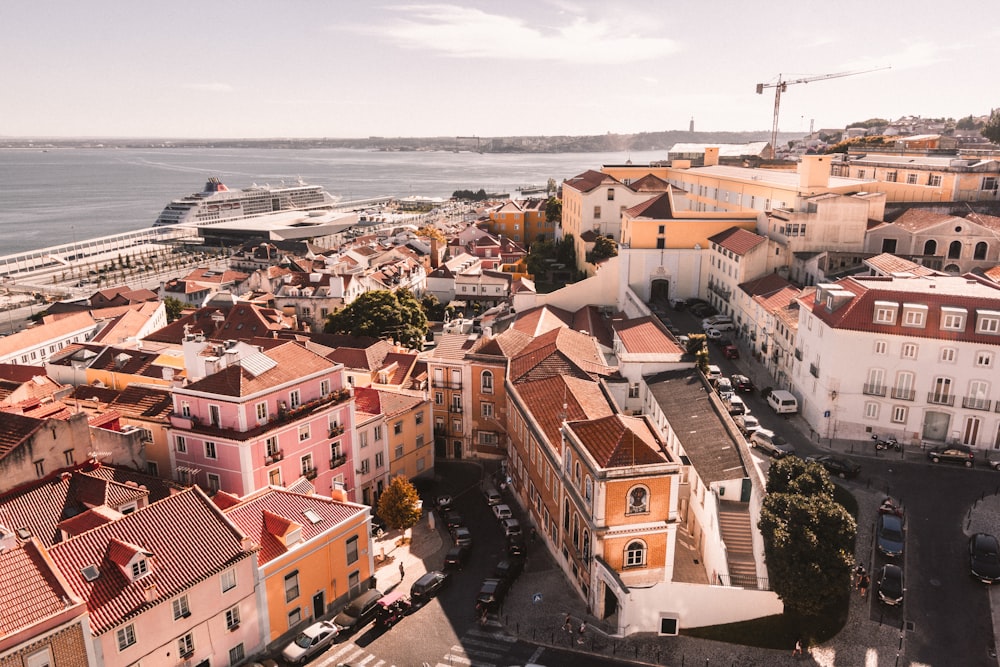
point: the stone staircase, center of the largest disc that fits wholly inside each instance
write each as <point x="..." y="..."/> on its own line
<point x="734" y="525"/>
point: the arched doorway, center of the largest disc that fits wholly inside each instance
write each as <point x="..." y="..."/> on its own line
<point x="610" y="603"/>
<point x="659" y="291"/>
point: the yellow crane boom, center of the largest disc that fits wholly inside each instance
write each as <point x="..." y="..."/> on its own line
<point x="782" y="85"/>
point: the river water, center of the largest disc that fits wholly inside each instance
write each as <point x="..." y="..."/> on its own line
<point x="66" y="195"/>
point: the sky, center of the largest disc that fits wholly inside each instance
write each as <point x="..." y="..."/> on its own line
<point x="312" y="68"/>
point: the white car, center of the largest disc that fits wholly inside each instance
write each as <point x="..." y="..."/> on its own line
<point x="502" y="512"/>
<point x="714" y="373"/>
<point x="747" y="423"/>
<point x="737" y="406"/>
<point x="712" y="333"/>
<point x="310" y="642"/>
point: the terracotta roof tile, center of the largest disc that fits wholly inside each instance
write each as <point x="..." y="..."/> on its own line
<point x="617" y="441"/>
<point x="560" y="351"/>
<point x="292" y="359"/>
<point x="646" y="335"/>
<point x="738" y="240"/>
<point x="542" y="319"/>
<point x="546" y="398"/>
<point x="888" y="264"/>
<point x="31" y="589"/>
<point x="589" y="180"/>
<point x="659" y="207"/>
<point x="916" y="219"/>
<point x="766" y="284"/>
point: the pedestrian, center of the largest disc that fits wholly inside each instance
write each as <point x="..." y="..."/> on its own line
<point x="858" y="574"/>
<point x="583" y="626"/>
<point x="568" y="625"/>
<point x="863" y="586"/>
<point x="401" y="570"/>
<point x="797" y="651"/>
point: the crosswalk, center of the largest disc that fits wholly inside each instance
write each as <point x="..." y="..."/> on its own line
<point x="477" y="648"/>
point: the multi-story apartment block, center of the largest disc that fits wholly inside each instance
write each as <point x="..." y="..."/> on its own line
<point x="913" y="357"/>
<point x="737" y="255"/>
<point x="315" y="554"/>
<point x="265" y="418"/>
<point x="914" y="176"/>
<point x="407" y="433"/>
<point x="522" y="220"/>
<point x="939" y="241"/>
<point x="33" y="346"/>
<point x="449" y="375"/>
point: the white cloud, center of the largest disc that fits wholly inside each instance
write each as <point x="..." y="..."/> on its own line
<point x="211" y="87"/>
<point x="460" y="32"/>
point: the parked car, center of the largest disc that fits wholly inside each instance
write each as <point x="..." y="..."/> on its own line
<point x="427" y="586"/>
<point x="737" y="406"/>
<point x="461" y="536"/>
<point x="392" y="607"/>
<point x="984" y="558"/>
<point x="509" y="568"/>
<point x="731" y="352"/>
<point x="492" y="496"/>
<point x="837" y="465"/>
<point x="515" y="545"/>
<point x="890" y="584"/>
<point x="714" y="373"/>
<point x="358" y="612"/>
<point x="889" y="534"/>
<point x="955" y="453"/>
<point x="712" y="333"/>
<point x="747" y="423"/>
<point x="309" y="643"/>
<point x="773" y="444"/>
<point x="724" y="387"/>
<point x="502" y="511"/>
<point x="456" y="556"/>
<point x="443" y="503"/>
<point x="492" y="593"/>
<point x="678" y="304"/>
<point x="511" y="527"/>
<point x="741" y="383"/>
<point x="452" y="518"/>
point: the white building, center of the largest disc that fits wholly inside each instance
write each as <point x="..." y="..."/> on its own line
<point x="910" y="356"/>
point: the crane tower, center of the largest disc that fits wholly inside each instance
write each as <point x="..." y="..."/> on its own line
<point x="782" y="85"/>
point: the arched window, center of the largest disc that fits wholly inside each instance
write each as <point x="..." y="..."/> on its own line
<point x="930" y="247"/>
<point x="486" y="382"/>
<point x="980" y="252"/>
<point x="569" y="461"/>
<point x="566" y="515"/>
<point x="955" y="250"/>
<point x="588" y="488"/>
<point x="577" y="475"/>
<point x="586" y="545"/>
<point x="635" y="554"/>
<point x="576" y="532"/>
<point x="638" y="500"/>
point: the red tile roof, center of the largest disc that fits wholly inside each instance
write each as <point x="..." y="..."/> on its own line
<point x="542" y="319"/>
<point x="888" y="264"/>
<point x="767" y="284"/>
<point x="293" y="361"/>
<point x="589" y="180"/>
<point x="31" y="589"/>
<point x="646" y="335"/>
<point x="737" y="240"/>
<point x="555" y="399"/>
<point x="384" y="402"/>
<point x="557" y="352"/>
<point x="189" y="536"/>
<point x="916" y="219"/>
<point x="238" y="322"/>
<point x="15" y="429"/>
<point x="617" y="441"/>
<point x="654" y="208"/>
<point x="250" y="515"/>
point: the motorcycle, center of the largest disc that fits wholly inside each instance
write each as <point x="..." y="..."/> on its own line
<point x="886" y="443"/>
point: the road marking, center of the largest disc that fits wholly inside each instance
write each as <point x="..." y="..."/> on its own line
<point x="537" y="654"/>
<point x="462" y="660"/>
<point x="367" y="660"/>
<point x="477" y="642"/>
<point x="492" y="635"/>
<point x="477" y="653"/>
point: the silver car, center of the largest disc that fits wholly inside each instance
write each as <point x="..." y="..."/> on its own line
<point x="774" y="445"/>
<point x="310" y="642"/>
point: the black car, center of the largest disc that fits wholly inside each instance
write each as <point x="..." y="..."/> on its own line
<point x="452" y="519"/>
<point x="358" y="612"/>
<point x="461" y="536"/>
<point x="984" y="558"/>
<point x="889" y="534"/>
<point x="456" y="557"/>
<point x="515" y="545"/>
<point x="741" y="383"/>
<point x="509" y="568"/>
<point x="890" y="585"/>
<point x="427" y="586"/>
<point x="837" y="465"/>
<point x="492" y="593"/>
<point x="952" y="454"/>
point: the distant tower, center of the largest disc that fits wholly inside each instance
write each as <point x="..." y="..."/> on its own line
<point x="812" y="122"/>
<point x="691" y="125"/>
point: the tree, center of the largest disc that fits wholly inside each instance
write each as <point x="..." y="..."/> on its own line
<point x="381" y="313"/>
<point x="433" y="309"/>
<point x="398" y="504"/>
<point x="808" y="537"/>
<point x="553" y="210"/>
<point x="430" y="232"/>
<point x="174" y="308"/>
<point x="991" y="130"/>
<point x="967" y="123"/>
<point x="604" y="248"/>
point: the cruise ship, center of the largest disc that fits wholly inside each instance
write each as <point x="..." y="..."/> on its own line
<point x="217" y="203"/>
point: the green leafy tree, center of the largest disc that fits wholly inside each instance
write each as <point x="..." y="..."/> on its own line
<point x="604" y="248"/>
<point x="808" y="537"/>
<point x="967" y="123"/>
<point x="381" y="313"/>
<point x="992" y="128"/>
<point x="433" y="308"/>
<point x="553" y="210"/>
<point x="174" y="308"/>
<point x="398" y="505"/>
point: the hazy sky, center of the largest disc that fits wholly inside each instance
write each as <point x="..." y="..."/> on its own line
<point x="311" y="68"/>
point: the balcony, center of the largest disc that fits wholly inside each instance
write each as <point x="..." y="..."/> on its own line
<point x="937" y="398"/>
<point x="814" y="371"/>
<point x="721" y="290"/>
<point x="903" y="394"/>
<point x="310" y="473"/>
<point x="455" y="408"/>
<point x="977" y="403"/>
<point x="274" y="457"/>
<point x="445" y="384"/>
<point x="870" y="389"/>
<point x="336" y="430"/>
<point x="338" y="461"/>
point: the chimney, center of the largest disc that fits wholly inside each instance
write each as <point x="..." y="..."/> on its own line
<point x="151" y="591"/>
<point x="435" y="254"/>
<point x="711" y="156"/>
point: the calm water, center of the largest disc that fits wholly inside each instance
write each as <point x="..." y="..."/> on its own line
<point x="54" y="196"/>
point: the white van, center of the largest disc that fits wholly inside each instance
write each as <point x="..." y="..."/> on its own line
<point x="782" y="402"/>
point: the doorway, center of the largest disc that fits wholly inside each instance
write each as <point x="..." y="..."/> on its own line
<point x="970" y="434"/>
<point x="458" y="449"/>
<point x="319" y="605"/>
<point x="659" y="291"/>
<point x="936" y="425"/>
<point x="610" y="602"/>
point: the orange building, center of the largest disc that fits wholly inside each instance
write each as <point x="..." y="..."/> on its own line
<point x="522" y="220"/>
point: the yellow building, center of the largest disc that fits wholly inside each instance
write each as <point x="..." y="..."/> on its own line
<point x="522" y="220"/>
<point x="913" y="176"/>
<point x="405" y="446"/>
<point x="315" y="553"/>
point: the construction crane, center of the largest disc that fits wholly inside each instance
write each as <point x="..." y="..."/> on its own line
<point x="782" y="85"/>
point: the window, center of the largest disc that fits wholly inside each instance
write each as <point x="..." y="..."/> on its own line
<point x="881" y="347"/>
<point x="899" y="414"/>
<point x="635" y="554"/>
<point x="953" y="319"/>
<point x="271" y="445"/>
<point x="262" y="411"/>
<point x="306" y="464"/>
<point x="236" y="655"/>
<point x="419" y="418"/>
<point x="914" y="316"/>
<point x="889" y="245"/>
<point x="930" y="247"/>
<point x="365" y="467"/>
<point x="597" y="213"/>
<point x="214" y="483"/>
<point x="215" y="415"/>
<point x="988" y="322"/>
<point x="352" y="550"/>
<point x="274" y="477"/>
<point x="397" y="428"/>
<point x="861" y="173"/>
<point x="228" y="578"/>
<point x="955" y="250"/>
<point x="891" y="176"/>
<point x="294" y="617"/>
<point x="379" y="460"/>
<point x="126" y="637"/>
<point x="291" y="586"/>
<point x="324" y="387"/>
<point x="210" y="452"/>
<point x="871" y="410"/>
<point x="611" y="194"/>
<point x="980" y="250"/>
<point x="638" y="500"/>
<point x="487" y="382"/>
<point x="885" y="313"/>
<point x="948" y="354"/>
<point x="181" y="444"/>
<point x="588" y="488"/>
<point x="934" y="181"/>
<point x="438" y="398"/>
<point x="911" y="179"/>
<point x="180" y="607"/>
<point x="909" y="351"/>
<point x="989" y="182"/>
<point x="140" y="568"/>
<point x="984" y="359"/>
<point x="40" y="658"/>
<point x="185" y="409"/>
<point x="185" y="645"/>
<point x="399" y="451"/>
<point x="294" y="399"/>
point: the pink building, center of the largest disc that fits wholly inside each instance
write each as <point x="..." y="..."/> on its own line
<point x="174" y="582"/>
<point x="267" y="417"/>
